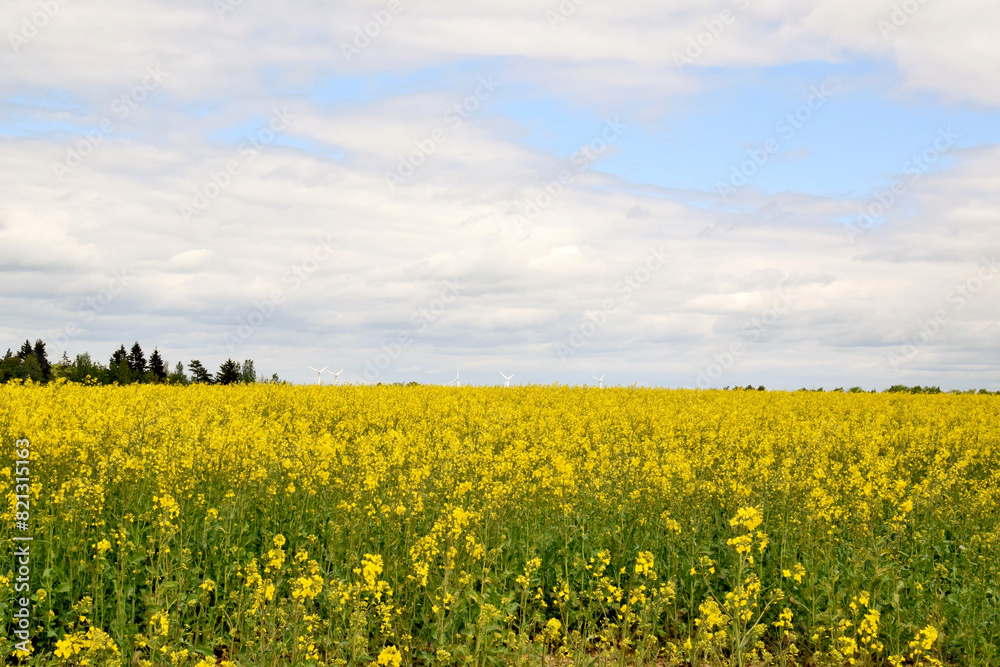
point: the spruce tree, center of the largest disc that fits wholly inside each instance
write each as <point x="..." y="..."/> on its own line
<point x="118" y="357"/>
<point x="43" y="360"/>
<point x="137" y="360"/>
<point x="178" y="375"/>
<point x="229" y="373"/>
<point x="64" y="367"/>
<point x="157" y="367"/>
<point x="118" y="368"/>
<point x="25" y="351"/>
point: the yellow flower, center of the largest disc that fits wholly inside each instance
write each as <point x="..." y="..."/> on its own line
<point x="644" y="563"/>
<point x="749" y="517"/>
<point x="390" y="657"/>
<point x="307" y="587"/>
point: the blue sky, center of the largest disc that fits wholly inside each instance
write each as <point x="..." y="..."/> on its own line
<point x="214" y="213"/>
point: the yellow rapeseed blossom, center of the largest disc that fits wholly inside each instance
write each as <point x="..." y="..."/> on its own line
<point x="314" y="524"/>
<point x="390" y="657"/>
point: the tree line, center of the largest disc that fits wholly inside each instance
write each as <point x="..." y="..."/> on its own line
<point x="31" y="362"/>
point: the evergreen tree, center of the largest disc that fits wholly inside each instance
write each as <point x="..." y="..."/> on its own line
<point x="63" y="368"/>
<point x="248" y="374"/>
<point x="229" y="373"/>
<point x="118" y="368"/>
<point x="198" y="372"/>
<point x="136" y="359"/>
<point x="25" y="351"/>
<point x="178" y="375"/>
<point x="43" y="360"/>
<point x="118" y="357"/>
<point x="157" y="367"/>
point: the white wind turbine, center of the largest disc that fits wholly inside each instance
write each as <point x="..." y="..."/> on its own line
<point x="599" y="379"/>
<point x="507" y="379"/>
<point x="319" y="373"/>
<point x="457" y="380"/>
<point x="336" y="375"/>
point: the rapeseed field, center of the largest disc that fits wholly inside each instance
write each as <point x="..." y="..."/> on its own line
<point x="393" y="526"/>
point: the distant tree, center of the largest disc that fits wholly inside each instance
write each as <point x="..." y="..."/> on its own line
<point x="229" y="373"/>
<point x="275" y="379"/>
<point x="157" y="367"/>
<point x="248" y="374"/>
<point x="178" y="376"/>
<point x="198" y="372"/>
<point x="118" y="368"/>
<point x="25" y="351"/>
<point x="7" y="366"/>
<point x="29" y="369"/>
<point x="43" y="360"/>
<point x="63" y="367"/>
<point x="136" y="359"/>
<point x="84" y="367"/>
<point x="761" y="388"/>
<point x="855" y="390"/>
<point x="118" y="357"/>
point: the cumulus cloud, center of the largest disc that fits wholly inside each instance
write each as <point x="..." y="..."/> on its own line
<point x="400" y="212"/>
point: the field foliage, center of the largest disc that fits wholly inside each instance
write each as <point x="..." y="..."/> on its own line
<point x="280" y="525"/>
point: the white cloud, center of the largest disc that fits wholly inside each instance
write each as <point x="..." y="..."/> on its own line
<point x="454" y="219"/>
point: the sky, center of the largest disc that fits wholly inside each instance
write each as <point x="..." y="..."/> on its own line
<point x="670" y="193"/>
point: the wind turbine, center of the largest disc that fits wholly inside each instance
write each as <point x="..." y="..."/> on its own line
<point x="457" y="380"/>
<point x="599" y="379"/>
<point x="319" y="373"/>
<point x="336" y="375"/>
<point x="507" y="379"/>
